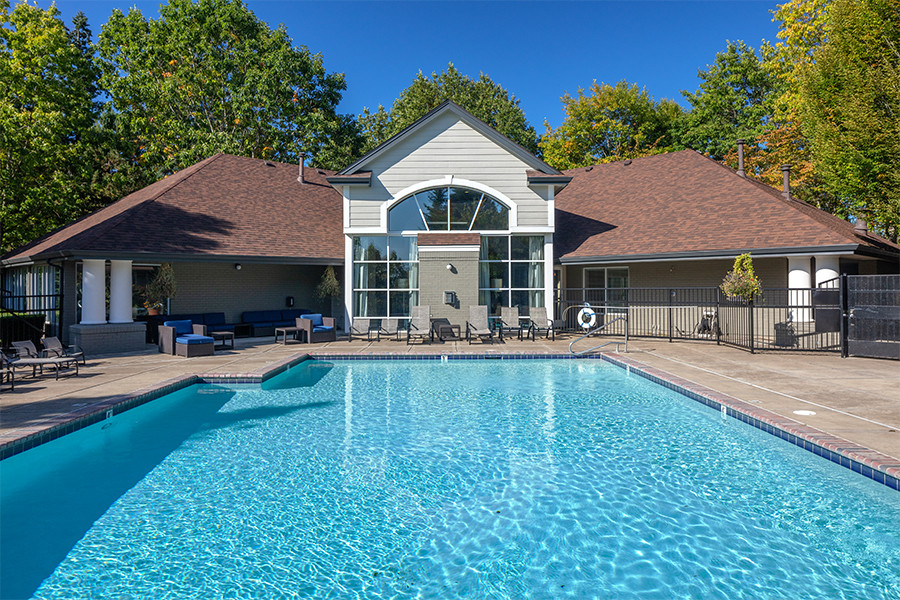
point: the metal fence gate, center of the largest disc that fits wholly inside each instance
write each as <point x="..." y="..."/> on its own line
<point x="872" y="316"/>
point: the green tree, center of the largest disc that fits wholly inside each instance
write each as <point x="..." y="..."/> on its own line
<point x="850" y="110"/>
<point x="610" y="123"/>
<point x="482" y="97"/>
<point x="734" y="101"/>
<point x="47" y="112"/>
<point x="209" y="76"/>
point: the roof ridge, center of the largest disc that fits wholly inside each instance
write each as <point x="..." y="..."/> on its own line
<point x="183" y="175"/>
<point x="818" y="215"/>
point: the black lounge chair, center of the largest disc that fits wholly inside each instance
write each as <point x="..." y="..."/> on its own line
<point x="53" y="347"/>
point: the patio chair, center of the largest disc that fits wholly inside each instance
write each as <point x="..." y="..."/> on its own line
<point x="27" y="349"/>
<point x="32" y="360"/>
<point x="317" y="328"/>
<point x="360" y="327"/>
<point x="540" y="322"/>
<point x="389" y="327"/>
<point x="420" y="324"/>
<point x="478" y="324"/>
<point x="7" y="375"/>
<point x="184" y="338"/>
<point x="54" y="347"/>
<point x="509" y="321"/>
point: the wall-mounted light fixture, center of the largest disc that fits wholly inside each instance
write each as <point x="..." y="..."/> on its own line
<point x="237" y="266"/>
<point x="449" y="267"/>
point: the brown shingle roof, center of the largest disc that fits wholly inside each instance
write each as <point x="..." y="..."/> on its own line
<point x="225" y="206"/>
<point x="685" y="203"/>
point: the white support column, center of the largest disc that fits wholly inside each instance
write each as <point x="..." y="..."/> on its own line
<point x="120" y="301"/>
<point x="548" y="276"/>
<point x="93" y="291"/>
<point x="348" y="282"/>
<point x="827" y="268"/>
<point x="799" y="280"/>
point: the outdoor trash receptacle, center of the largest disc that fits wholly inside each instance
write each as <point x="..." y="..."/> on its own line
<point x="784" y="335"/>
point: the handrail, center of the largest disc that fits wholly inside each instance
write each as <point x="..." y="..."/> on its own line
<point x="593" y="331"/>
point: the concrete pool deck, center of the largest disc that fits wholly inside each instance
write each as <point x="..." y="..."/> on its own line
<point x="856" y="399"/>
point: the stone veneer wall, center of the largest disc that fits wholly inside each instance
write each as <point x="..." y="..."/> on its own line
<point x="435" y="279"/>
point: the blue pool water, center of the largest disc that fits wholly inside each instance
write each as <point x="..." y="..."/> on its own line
<point x="422" y="479"/>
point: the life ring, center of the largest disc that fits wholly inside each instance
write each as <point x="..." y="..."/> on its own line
<point x="587" y="317"/>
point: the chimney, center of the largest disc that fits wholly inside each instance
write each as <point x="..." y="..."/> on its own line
<point x="300" y="176"/>
<point x="860" y="226"/>
<point x="786" y="173"/>
<point x="741" y="171"/>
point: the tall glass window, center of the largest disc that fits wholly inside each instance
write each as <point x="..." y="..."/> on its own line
<point x="511" y="272"/>
<point x="606" y="285"/>
<point x="385" y="276"/>
<point x="449" y="209"/>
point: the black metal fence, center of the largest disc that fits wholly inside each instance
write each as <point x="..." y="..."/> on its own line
<point x="801" y="319"/>
<point x="872" y="315"/>
<point x="29" y="317"/>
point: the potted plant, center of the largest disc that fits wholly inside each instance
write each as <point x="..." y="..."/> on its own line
<point x="741" y="282"/>
<point x="161" y="288"/>
<point x="330" y="288"/>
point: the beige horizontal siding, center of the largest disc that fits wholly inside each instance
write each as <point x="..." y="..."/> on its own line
<point x="447" y="146"/>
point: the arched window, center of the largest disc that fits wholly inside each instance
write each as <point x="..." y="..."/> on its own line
<point x="449" y="208"/>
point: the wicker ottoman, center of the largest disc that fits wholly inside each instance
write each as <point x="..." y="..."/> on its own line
<point x="191" y="345"/>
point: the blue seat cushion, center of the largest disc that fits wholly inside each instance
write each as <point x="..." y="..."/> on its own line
<point x="192" y="338"/>
<point x="322" y="328"/>
<point x="181" y="327"/>
<point x="316" y="319"/>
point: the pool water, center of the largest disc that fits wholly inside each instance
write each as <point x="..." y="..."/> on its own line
<point x="423" y="479"/>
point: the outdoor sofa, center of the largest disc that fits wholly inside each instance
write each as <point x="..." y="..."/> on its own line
<point x="264" y="322"/>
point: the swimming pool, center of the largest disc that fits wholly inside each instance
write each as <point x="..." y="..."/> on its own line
<point x="469" y="479"/>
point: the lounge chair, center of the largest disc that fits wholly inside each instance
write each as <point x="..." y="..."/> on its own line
<point x="27" y="349"/>
<point x="478" y="324"/>
<point x="53" y="347"/>
<point x="420" y="324"/>
<point x="390" y="327"/>
<point x="7" y="374"/>
<point x="360" y="327"/>
<point x="317" y="328"/>
<point x="35" y="362"/>
<point x="509" y="321"/>
<point x="184" y="338"/>
<point x="540" y="322"/>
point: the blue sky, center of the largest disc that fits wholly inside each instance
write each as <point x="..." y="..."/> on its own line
<point x="536" y="50"/>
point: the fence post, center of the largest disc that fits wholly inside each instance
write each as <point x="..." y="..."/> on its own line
<point x="752" y="335"/>
<point x="671" y="296"/>
<point x="718" y="322"/>
<point x="845" y="316"/>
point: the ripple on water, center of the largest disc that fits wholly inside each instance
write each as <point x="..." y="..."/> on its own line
<point x="473" y="480"/>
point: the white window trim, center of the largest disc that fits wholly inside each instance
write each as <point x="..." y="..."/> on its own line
<point x="449" y="180"/>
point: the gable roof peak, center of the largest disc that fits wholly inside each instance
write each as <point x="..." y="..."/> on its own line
<point x="469" y="119"/>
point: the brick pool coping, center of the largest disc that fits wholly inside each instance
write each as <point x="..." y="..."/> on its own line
<point x="879" y="467"/>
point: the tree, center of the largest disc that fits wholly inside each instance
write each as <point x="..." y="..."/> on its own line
<point x="734" y="101"/>
<point x="610" y="123"/>
<point x="47" y="110"/>
<point x="209" y="77"/>
<point x="485" y="99"/>
<point x="850" y="110"/>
